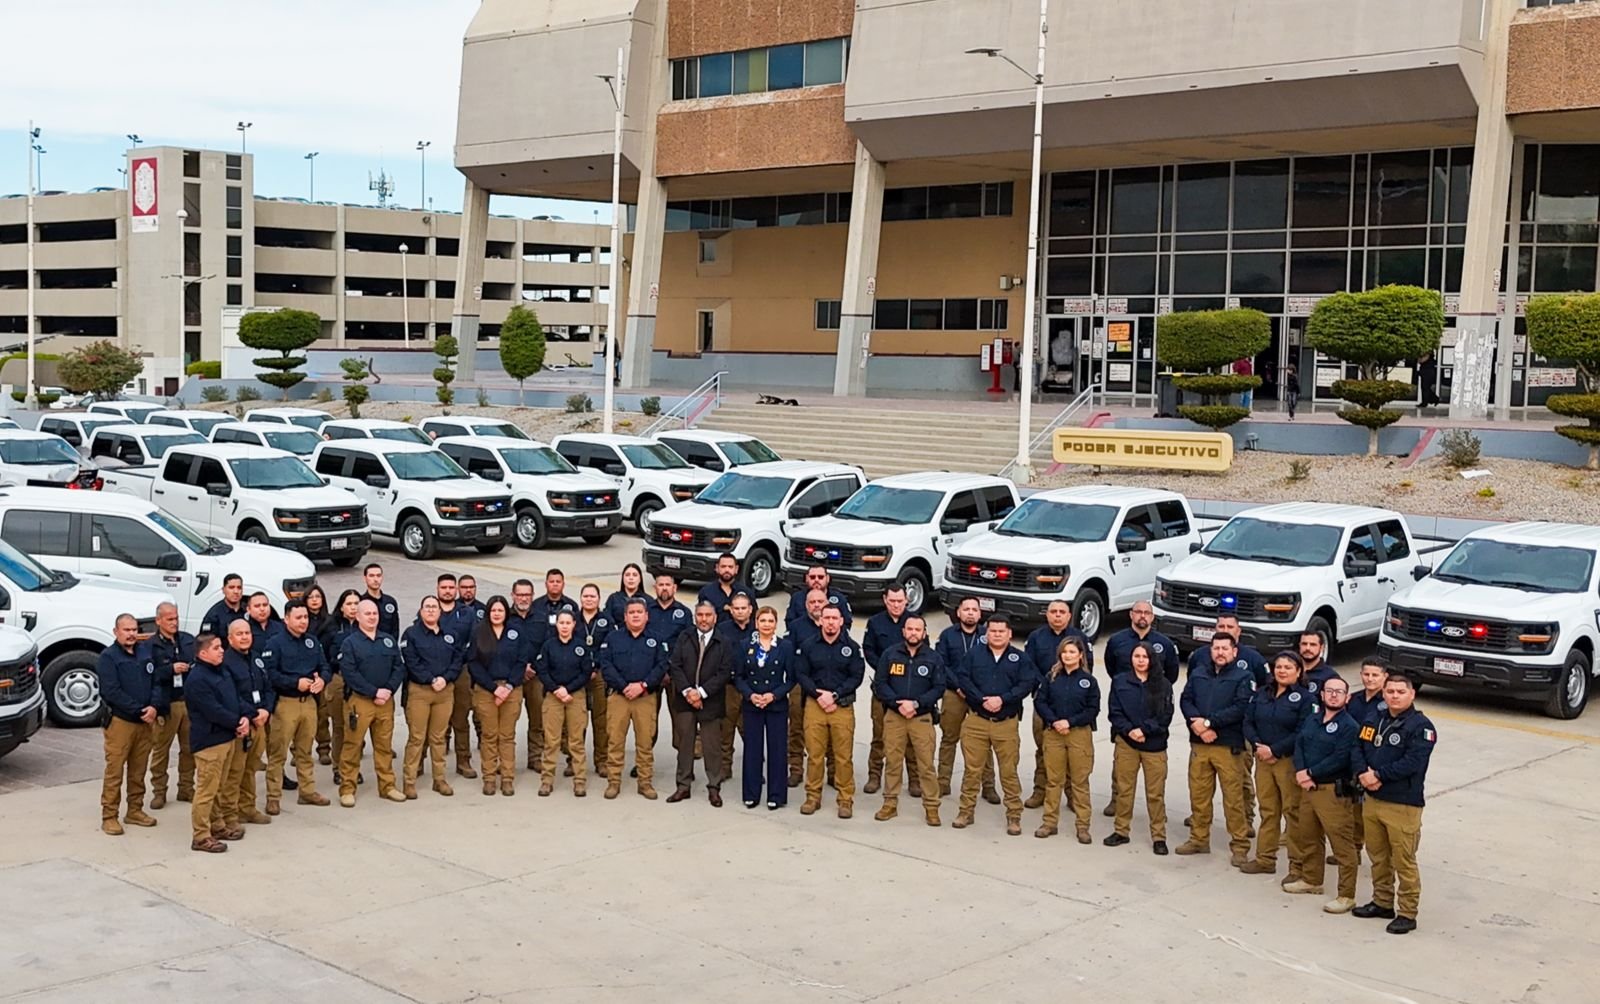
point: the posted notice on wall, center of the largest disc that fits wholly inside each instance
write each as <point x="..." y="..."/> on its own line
<point x="143" y="204"/>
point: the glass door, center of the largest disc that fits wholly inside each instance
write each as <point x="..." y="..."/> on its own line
<point x="1060" y="365"/>
<point x="1121" y="355"/>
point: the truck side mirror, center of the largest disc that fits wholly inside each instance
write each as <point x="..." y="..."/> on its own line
<point x="613" y="468"/>
<point x="1195" y="546"/>
<point x="952" y="526"/>
<point x="1421" y="572"/>
<point x="1360" y="568"/>
<point x="1131" y="543"/>
<point x="378" y="480"/>
<point x="170" y="561"/>
<point x="219" y="488"/>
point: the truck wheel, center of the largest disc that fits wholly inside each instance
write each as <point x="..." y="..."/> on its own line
<point x="348" y="560"/>
<point x="530" y="529"/>
<point x="254" y="535"/>
<point x="642" y="512"/>
<point x="72" y="689"/>
<point x="1089" y="612"/>
<point x="597" y="538"/>
<point x="760" y="570"/>
<point x="491" y="548"/>
<point x="416" y="539"/>
<point x="916" y="584"/>
<point x="1571" y="691"/>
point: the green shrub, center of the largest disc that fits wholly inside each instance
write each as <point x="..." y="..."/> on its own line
<point x="1460" y="448"/>
<point x="445" y="373"/>
<point x="1371" y="393"/>
<point x="44" y="399"/>
<point x="102" y="368"/>
<point x="214" y="394"/>
<point x="1299" y="470"/>
<point x="205" y="369"/>
<point x="522" y="347"/>
<point x="1207" y="340"/>
<point x="651" y="406"/>
<point x="284" y="332"/>
<point x="1371" y="419"/>
<point x="579" y="403"/>
<point x="355" y="388"/>
<point x="1374" y="330"/>
<point x="1568" y="327"/>
<point x="1486" y="492"/>
<point x="483" y="398"/>
<point x="246" y="393"/>
<point x="324" y="396"/>
<point x="1216" y="384"/>
<point x="1214" y="416"/>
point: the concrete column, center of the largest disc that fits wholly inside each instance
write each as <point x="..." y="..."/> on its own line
<point x="650" y="221"/>
<point x="339" y="255"/>
<point x="860" y="277"/>
<point x="470" y="249"/>
<point x="1477" y="321"/>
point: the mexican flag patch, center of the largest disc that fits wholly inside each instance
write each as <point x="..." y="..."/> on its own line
<point x="1428" y="735"/>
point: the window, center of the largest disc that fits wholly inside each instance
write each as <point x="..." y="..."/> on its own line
<point x="473" y="460"/>
<point x="696" y="453"/>
<point x="191" y="163"/>
<point x="1362" y="546"/>
<point x="708" y="325"/>
<point x="905" y="204"/>
<point x="753" y="71"/>
<point x="331" y="462"/>
<point x="927" y="315"/>
<point x="209" y="472"/>
<point x="890" y="315"/>
<point x="716" y="76"/>
<point x="235" y="256"/>
<point x="1202" y="197"/>
<point x="685" y="78"/>
<point x="65" y="430"/>
<point x="223" y="436"/>
<point x="1174" y="521"/>
<point x="442" y="429"/>
<point x="235" y="167"/>
<point x="801" y="210"/>
<point x="961" y="315"/>
<point x="827" y="495"/>
<point x="363" y="466"/>
<point x="36" y="532"/>
<point x="999" y="501"/>
<point x="117" y="538"/>
<point x="708" y="251"/>
<point x="786" y="67"/>
<point x="825" y="62"/>
<point x="828" y="315"/>
<point x="964" y="508"/>
<point x="235" y="295"/>
<point x="342" y="432"/>
<point x="951" y="202"/>
<point x="750" y="71"/>
<point x="956" y="314"/>
<point x="1139" y="524"/>
<point x="104" y="445"/>
<point x="1393" y="535"/>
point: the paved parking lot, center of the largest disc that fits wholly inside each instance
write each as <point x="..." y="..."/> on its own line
<point x="512" y="899"/>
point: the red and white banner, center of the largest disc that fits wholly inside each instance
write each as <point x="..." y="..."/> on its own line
<point x="143" y="204"/>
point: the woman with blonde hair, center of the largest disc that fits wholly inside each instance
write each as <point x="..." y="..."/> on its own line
<point x="763" y="673"/>
<point x="1068" y="704"/>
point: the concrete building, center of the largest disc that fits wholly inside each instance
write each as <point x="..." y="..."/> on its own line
<point x="836" y="192"/>
<point x="155" y="264"/>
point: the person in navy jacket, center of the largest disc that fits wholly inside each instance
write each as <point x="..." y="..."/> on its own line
<point x="431" y="654"/>
<point x="373" y="672"/>
<point x="345" y="619"/>
<point x="388" y="607"/>
<point x="173" y="653"/>
<point x="668" y="617"/>
<point x="1214" y="701"/>
<point x="1367" y="703"/>
<point x="909" y="682"/>
<point x="565" y="664"/>
<point x="994" y="679"/>
<point x="1139" y="708"/>
<point x="1317" y="671"/>
<point x="719" y="592"/>
<point x="134" y="701"/>
<point x="1248" y="657"/>
<point x="297" y="672"/>
<point x="633" y="661"/>
<point x="1041" y="649"/>
<point x="955" y="643"/>
<point x="1392" y="755"/>
<point x="217" y="725"/>
<point x="883" y="632"/>
<point x="830" y="671"/>
<point x="817" y="578"/>
<point x="735" y="632"/>
<point x="248" y="667"/>
<point x="1324" y="762"/>
<point x="459" y="620"/>
<point x="499" y="666"/>
<point x="1119" y="650"/>
<point x="763" y="674"/>
<point x="228" y="609"/>
<point x="630" y="585"/>
<point x="1067" y="705"/>
<point x="1270" y="726"/>
<point x="594" y="624"/>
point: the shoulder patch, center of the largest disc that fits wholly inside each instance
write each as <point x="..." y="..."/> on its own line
<point x="1428" y="735"/>
<point x="1367" y="732"/>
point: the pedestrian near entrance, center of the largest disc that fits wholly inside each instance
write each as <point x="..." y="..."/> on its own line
<point x="217" y="726"/>
<point x="1291" y="388"/>
<point x="432" y="658"/>
<point x="634" y="663"/>
<point x="699" y="669"/>
<point x="373" y="672"/>
<point x="565" y="663"/>
<point x="884" y="631"/>
<point x="1324" y="761"/>
<point x="298" y="672"/>
<point x="1140" y="708"/>
<point x="134" y="702"/>
<point x="830" y="670"/>
<point x="499" y="665"/>
<point x="1270" y="726"/>
<point x="763" y="674"/>
<point x="995" y="680"/>
<point x="1214" y="703"/>
<point x="1067" y="704"/>
<point x="173" y="653"/>
<point x="1392" y="755"/>
<point x="908" y="684"/>
<point x="956" y="642"/>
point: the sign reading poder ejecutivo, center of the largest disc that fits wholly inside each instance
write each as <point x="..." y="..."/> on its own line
<point x="1150" y="448"/>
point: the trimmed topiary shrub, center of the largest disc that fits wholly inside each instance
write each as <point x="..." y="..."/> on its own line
<point x="1568" y="327"/>
<point x="1374" y="330"/>
<point x="1207" y="340"/>
<point x="205" y="369"/>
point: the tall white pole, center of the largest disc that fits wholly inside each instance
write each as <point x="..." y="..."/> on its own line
<point x="616" y="241"/>
<point x="405" y="298"/>
<point x="31" y="394"/>
<point x="1030" y="307"/>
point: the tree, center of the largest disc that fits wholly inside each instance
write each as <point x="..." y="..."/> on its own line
<point x="1374" y="330"/>
<point x="445" y="373"/>
<point x="355" y="388"/>
<point x="521" y="346"/>
<point x="1206" y="340"/>
<point x="283" y="332"/>
<point x="99" y="368"/>
<point x="1567" y="326"/>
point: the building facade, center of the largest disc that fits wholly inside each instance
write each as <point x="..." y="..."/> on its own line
<point x="155" y="264"/>
<point x="820" y="185"/>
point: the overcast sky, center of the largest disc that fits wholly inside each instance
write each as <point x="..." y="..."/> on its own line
<point x="359" y="81"/>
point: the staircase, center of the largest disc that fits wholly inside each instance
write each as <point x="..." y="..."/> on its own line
<point x="888" y="438"/>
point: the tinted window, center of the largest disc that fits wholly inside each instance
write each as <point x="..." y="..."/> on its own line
<point x="963" y="507"/>
<point x="105" y="446"/>
<point x="167" y="420"/>
<point x="446" y="429"/>
<point x="474" y="461"/>
<point x="365" y="467"/>
<point x="256" y="416"/>
<point x="118" y="538"/>
<point x="340" y="432"/>
<point x="1139" y="524"/>
<point x="599" y="456"/>
<point x="59" y="428"/>
<point x="1174" y="521"/>
<point x="998" y="499"/>
<point x="1362" y="546"/>
<point x="692" y="451"/>
<point x="330" y="462"/>
<point x="37" y="532"/>
<point x="176" y="469"/>
<point x="209" y="472"/>
<point x="230" y="436"/>
<point x="575" y="454"/>
<point x="1395" y="545"/>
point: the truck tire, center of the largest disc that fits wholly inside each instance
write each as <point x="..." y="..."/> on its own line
<point x="348" y="560"/>
<point x="760" y="570"/>
<point x="1089" y="612"/>
<point x="530" y="529"/>
<point x="253" y="534"/>
<point x="72" y="689"/>
<point x="917" y="589"/>
<point x="643" y="510"/>
<point x="416" y="539"/>
<point x="597" y="538"/>
<point x="1571" y="691"/>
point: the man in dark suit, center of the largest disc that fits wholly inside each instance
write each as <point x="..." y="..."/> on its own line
<point x="699" y="669"/>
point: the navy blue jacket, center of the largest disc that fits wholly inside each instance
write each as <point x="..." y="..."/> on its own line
<point x="1073" y="696"/>
<point x="953" y="646"/>
<point x="1397" y="750"/>
<point x="388" y="613"/>
<point x="1249" y="660"/>
<point x="507" y="662"/>
<point x="371" y="664"/>
<point x="769" y="671"/>
<point x="213" y="704"/>
<point x="164" y="653"/>
<point x="292" y="660"/>
<point x="906" y="676"/>
<point x="459" y="622"/>
<point x="565" y="664"/>
<point x="250" y="683"/>
<point x="1327" y="749"/>
<point x="1119" y="648"/>
<point x="1128" y="708"/>
<point x="883" y="633"/>
<point x="542" y="617"/>
<point x="803" y="631"/>
<point x="1363" y="710"/>
<point x="736" y="636"/>
<point x="1274" y="719"/>
<point x="218" y="618"/>
<point x="797" y="607"/>
<point x="427" y="654"/>
<point x="261" y="632"/>
<point x="666" y="623"/>
<point x="332" y="638"/>
<point x="1315" y="678"/>
<point x="712" y="593"/>
<point x="627" y="658"/>
<point x="836" y="666"/>
<point x="128" y="682"/>
<point x="1042" y="643"/>
<point x="1010" y="678"/>
<point x="617" y="604"/>
<point x="1223" y="697"/>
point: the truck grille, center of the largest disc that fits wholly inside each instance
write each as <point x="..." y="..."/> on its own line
<point x="1002" y="575"/>
<point x="315" y="520"/>
<point x="841" y="556"/>
<point x="1206" y="601"/>
<point x="19" y="680"/>
<point x="494" y="507"/>
<point x="1471" y="633"/>
<point x="82" y="481"/>
<point x="583" y="501"/>
<point x="688" y="538"/>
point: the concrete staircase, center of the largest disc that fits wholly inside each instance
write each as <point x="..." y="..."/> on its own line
<point x="884" y="437"/>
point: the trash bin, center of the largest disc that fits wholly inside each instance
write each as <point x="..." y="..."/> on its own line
<point x="1166" y="395"/>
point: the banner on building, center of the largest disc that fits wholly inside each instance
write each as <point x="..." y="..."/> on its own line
<point x="143" y="203"/>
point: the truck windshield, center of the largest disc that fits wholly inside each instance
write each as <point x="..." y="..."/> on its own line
<point x="273" y="473"/>
<point x="536" y="460"/>
<point x="28" y="574"/>
<point x="1518" y="566"/>
<point x="297" y="441"/>
<point x="1068" y="521"/>
<point x="1276" y="543"/>
<point x="205" y="425"/>
<point x="653" y="457"/>
<point x="502" y="429"/>
<point x="312" y="422"/>
<point x="199" y="543"/>
<point x="749" y="451"/>
<point x="406" y="434"/>
<point x="37" y="451"/>
<point x="900" y="506"/>
<point x="155" y="446"/>
<point x="742" y="491"/>
<point x="88" y="426"/>
<point x="429" y="466"/>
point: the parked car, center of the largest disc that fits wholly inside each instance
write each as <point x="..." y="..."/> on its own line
<point x="301" y="442"/>
<point x="77" y="427"/>
<point x="128" y="445"/>
<point x="129" y="411"/>
<point x="42" y="460"/>
<point x="306" y="418"/>
<point x="651" y="475"/>
<point x="198" y="421"/>
<point x="374" y="428"/>
<point x="717" y="451"/>
<point x="467" y="425"/>
<point x="22" y="706"/>
<point x="550" y="497"/>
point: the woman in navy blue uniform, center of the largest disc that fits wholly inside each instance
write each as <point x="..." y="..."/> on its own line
<point x="500" y="657"/>
<point x="1270" y="725"/>
<point x="632" y="587"/>
<point x="763" y="673"/>
<point x="565" y="664"/>
<point x="1140" y="708"/>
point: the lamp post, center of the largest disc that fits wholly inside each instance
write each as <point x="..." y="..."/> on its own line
<point x="422" y="162"/>
<point x="405" y="298"/>
<point x="311" y="176"/>
<point x="31" y="395"/>
<point x="1024" y="462"/>
<point x="244" y="130"/>
<point x="618" y="86"/>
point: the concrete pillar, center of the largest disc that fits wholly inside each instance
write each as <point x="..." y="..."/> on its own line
<point x="339" y="299"/>
<point x="470" y="249"/>
<point x="860" y="277"/>
<point x="1477" y="321"/>
<point x="650" y="220"/>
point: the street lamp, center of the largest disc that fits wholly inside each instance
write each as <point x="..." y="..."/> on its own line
<point x="405" y="298"/>
<point x="135" y="138"/>
<point x="1024" y="462"/>
<point x="618" y="86"/>
<point x="38" y="156"/>
<point x="244" y="130"/>
<point x="422" y="161"/>
<point x="311" y="168"/>
<point x="31" y="395"/>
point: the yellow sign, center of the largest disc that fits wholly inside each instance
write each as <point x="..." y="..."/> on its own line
<point x="1151" y="448"/>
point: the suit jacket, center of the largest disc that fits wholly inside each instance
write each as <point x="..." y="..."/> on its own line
<point x="713" y="672"/>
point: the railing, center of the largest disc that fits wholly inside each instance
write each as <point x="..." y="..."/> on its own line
<point x="689" y="408"/>
<point x="1548" y="3"/>
<point x="1083" y="400"/>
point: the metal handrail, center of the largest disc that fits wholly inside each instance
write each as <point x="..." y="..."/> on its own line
<point x="692" y="405"/>
<point x="1085" y="398"/>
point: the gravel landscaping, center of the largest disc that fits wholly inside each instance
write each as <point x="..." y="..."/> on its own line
<point x="541" y="423"/>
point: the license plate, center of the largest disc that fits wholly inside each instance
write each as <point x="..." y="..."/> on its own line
<point x="1203" y="633"/>
<point x="670" y="561"/>
<point x="493" y="531"/>
<point x="602" y="522"/>
<point x="986" y="604"/>
<point x="1449" y="667"/>
<point x="340" y="543"/>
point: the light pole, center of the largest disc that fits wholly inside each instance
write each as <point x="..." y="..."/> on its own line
<point x="244" y="130"/>
<point x="422" y="162"/>
<point x="135" y="138"/>
<point x="311" y="169"/>
<point x="405" y="297"/>
<point x="618" y="86"/>
<point x="31" y="395"/>
<point x="38" y="156"/>
<point x="1024" y="462"/>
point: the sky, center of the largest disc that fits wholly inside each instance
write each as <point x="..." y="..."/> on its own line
<point x="358" y="81"/>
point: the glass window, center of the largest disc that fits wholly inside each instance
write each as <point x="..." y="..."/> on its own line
<point x="1001" y="319"/>
<point x="1131" y="275"/>
<point x="683" y="78"/>
<point x="1174" y="522"/>
<point x="1072" y="204"/>
<point x="1317" y="271"/>
<point x="117" y="538"/>
<point x="1068" y="276"/>
<point x="716" y="75"/>
<point x="999" y="501"/>
<point x="1362" y="546"/>
<point x="927" y="315"/>
<point x="1260" y="194"/>
<point x="1199" y="273"/>
<point x="800" y="210"/>
<point x="209" y="472"/>
<point x="364" y="467"/>
<point x="891" y="315"/>
<point x="1139" y="524"/>
<point x="828" y="315"/>
<point x="1134" y="201"/>
<point x="1254" y="274"/>
<point x="176" y="469"/>
<point x="786" y="67"/>
<point x="1398" y="193"/>
<point x="905" y="204"/>
<point x="1402" y="266"/>
<point x="1395" y="546"/>
<point x="1564" y="269"/>
<point x="951" y="202"/>
<point x="1202" y="197"/>
<point x="961" y="315"/>
<point x="1321" y="192"/>
<point x="824" y="62"/>
<point x="750" y="71"/>
<point x="964" y="508"/>
<point x="330" y="462"/>
<point x="1460" y="184"/>
<point x="1569" y="186"/>
<point x="35" y="531"/>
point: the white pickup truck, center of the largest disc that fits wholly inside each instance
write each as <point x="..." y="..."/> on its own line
<point x="418" y="495"/>
<point x="898" y="529"/>
<point x="1288" y="569"/>
<point x="717" y="451"/>
<point x="550" y="497"/>
<point x="745" y="513"/>
<point x="650" y="474"/>
<point x="42" y="459"/>
<point x="130" y="445"/>
<point x="254" y="494"/>
<point x="1098" y="547"/>
<point x="22" y="708"/>
<point x="1511" y="609"/>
